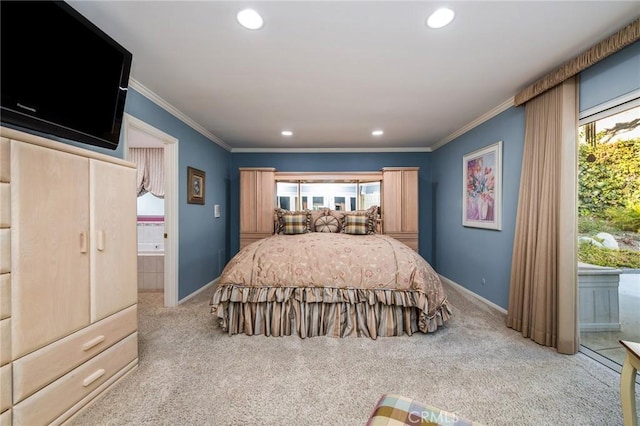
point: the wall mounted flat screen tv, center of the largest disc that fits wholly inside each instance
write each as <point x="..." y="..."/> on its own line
<point x="61" y="75"/>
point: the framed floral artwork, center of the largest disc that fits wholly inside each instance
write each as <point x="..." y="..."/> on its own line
<point x="195" y="186"/>
<point x="482" y="188"/>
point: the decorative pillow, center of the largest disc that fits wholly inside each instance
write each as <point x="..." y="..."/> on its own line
<point x="315" y="215"/>
<point x="338" y="214"/>
<point x="327" y="224"/>
<point x="281" y="214"/>
<point x="296" y="223"/>
<point x="277" y="220"/>
<point x="356" y="225"/>
<point x="371" y="215"/>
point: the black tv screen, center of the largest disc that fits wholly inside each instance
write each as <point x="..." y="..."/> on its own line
<point x="61" y="75"/>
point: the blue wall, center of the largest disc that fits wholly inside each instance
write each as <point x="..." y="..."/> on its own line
<point x="467" y="255"/>
<point x="615" y="76"/>
<point x="202" y="237"/>
<point x="334" y="162"/>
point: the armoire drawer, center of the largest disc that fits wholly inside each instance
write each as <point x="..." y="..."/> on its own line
<point x="251" y="237"/>
<point x="37" y="369"/>
<point x="5" y="418"/>
<point x="5" y="341"/>
<point x="408" y="238"/>
<point x="5" y="250"/>
<point x="5" y="295"/>
<point x="5" y="387"/>
<point x="54" y="400"/>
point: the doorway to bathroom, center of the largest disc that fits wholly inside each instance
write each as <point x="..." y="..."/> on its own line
<point x="156" y="154"/>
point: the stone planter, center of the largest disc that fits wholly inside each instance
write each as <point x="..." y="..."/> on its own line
<point x="598" y="297"/>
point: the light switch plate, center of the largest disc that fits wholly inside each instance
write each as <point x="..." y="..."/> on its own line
<point x="216" y="210"/>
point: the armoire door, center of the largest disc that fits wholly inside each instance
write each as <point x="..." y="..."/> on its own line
<point x="257" y="203"/>
<point x="114" y="238"/>
<point x="50" y="245"/>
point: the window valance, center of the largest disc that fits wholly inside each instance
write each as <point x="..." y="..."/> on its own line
<point x="624" y="37"/>
<point x="150" y="162"/>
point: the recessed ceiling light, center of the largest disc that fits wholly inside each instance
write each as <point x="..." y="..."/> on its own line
<point x="287" y="133"/>
<point x="377" y="133"/>
<point x="440" y="18"/>
<point x="250" y="19"/>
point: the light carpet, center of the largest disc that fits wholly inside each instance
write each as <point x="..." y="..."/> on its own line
<point x="192" y="373"/>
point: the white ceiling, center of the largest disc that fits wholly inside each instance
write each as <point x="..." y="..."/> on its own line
<point x="333" y="71"/>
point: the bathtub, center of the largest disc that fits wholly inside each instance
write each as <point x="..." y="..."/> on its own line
<point x="150" y="267"/>
<point x="150" y="236"/>
<point x="151" y="249"/>
<point x="150" y="253"/>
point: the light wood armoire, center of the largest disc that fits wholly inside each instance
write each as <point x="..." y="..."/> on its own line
<point x="68" y="293"/>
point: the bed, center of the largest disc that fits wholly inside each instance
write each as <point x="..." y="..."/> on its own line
<point x="329" y="274"/>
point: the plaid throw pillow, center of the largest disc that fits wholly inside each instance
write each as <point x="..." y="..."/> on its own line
<point x="280" y="214"/>
<point x="400" y="410"/>
<point x="356" y="225"/>
<point x="295" y="224"/>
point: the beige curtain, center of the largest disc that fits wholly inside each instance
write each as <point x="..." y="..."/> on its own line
<point x="541" y="288"/>
<point x="150" y="162"/>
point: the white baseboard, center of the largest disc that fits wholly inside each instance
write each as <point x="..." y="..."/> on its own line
<point x="200" y="290"/>
<point x="469" y="292"/>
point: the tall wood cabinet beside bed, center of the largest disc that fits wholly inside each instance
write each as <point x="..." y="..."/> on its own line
<point x="68" y="294"/>
<point x="400" y="199"/>
<point x="257" y="201"/>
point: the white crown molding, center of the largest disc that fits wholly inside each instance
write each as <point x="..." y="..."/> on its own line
<point x="144" y="91"/>
<point x="475" y="123"/>
<point x="326" y="150"/>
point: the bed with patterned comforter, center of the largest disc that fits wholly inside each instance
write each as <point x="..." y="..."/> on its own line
<point x="333" y="284"/>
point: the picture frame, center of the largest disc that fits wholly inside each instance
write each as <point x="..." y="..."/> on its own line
<point x="482" y="188"/>
<point x="195" y="186"/>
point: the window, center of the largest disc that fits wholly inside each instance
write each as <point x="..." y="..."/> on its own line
<point x="284" y="203"/>
<point x="369" y="194"/>
<point x="318" y="202"/>
<point x="343" y="195"/>
<point x="150" y="205"/>
<point x="608" y="202"/>
<point x="287" y="195"/>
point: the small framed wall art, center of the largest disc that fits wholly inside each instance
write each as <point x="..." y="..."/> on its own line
<point x="195" y="186"/>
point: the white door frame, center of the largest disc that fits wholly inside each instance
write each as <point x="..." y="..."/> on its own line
<point x="170" y="204"/>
